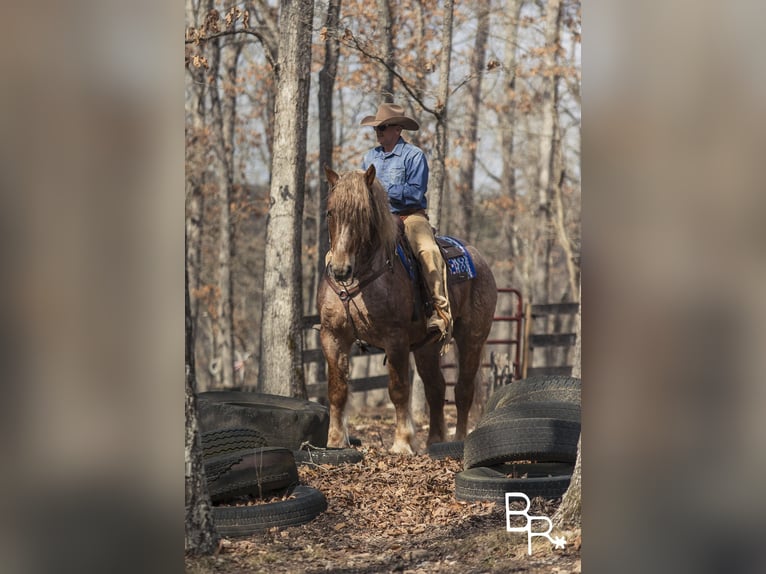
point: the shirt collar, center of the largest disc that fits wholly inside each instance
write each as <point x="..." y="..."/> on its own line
<point x="397" y="148"/>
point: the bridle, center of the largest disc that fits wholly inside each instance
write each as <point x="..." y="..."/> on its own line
<point x="346" y="291"/>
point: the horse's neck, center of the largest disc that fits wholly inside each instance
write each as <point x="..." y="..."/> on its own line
<point x="374" y="256"/>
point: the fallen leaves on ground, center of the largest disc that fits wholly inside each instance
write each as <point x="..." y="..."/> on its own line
<point x="391" y="513"/>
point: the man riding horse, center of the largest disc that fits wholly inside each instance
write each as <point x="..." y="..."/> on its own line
<point x="367" y="296"/>
<point x="403" y="170"/>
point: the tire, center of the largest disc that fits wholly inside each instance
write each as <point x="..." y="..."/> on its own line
<point x="252" y="398"/>
<point x="536" y="439"/>
<point x="535" y="469"/>
<point x="441" y="450"/>
<point x="263" y="471"/>
<point x="283" y="421"/>
<point x="307" y="503"/>
<point x="547" y="410"/>
<point x="230" y="441"/>
<point x="484" y="483"/>
<point x="332" y="456"/>
<point x="538" y="389"/>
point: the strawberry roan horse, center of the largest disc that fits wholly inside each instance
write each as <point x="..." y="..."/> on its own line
<point x="367" y="295"/>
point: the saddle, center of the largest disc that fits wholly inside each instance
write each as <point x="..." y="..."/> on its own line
<point x="456" y="257"/>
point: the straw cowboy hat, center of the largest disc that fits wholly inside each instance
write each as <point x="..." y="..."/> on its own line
<point x="390" y="114"/>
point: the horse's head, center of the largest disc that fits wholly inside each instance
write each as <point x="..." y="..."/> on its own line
<point x="358" y="219"/>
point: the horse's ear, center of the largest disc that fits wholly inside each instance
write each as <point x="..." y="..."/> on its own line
<point x="331" y="176"/>
<point x="369" y="175"/>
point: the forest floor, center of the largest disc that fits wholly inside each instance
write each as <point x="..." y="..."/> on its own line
<point x="393" y="513"/>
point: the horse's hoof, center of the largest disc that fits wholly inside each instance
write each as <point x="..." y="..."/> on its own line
<point x="337" y="441"/>
<point x="402" y="448"/>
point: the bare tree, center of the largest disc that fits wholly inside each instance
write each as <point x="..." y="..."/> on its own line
<point x="281" y="365"/>
<point x="569" y="511"/>
<point x="507" y="122"/>
<point x="437" y="177"/>
<point x="326" y="142"/>
<point x="547" y="142"/>
<point x="326" y="124"/>
<point x="384" y="13"/>
<point x="464" y="216"/>
<point x="201" y="536"/>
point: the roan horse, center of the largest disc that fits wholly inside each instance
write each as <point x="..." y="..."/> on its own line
<point x="367" y="295"/>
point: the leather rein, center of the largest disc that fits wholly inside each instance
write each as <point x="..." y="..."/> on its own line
<point x="346" y="294"/>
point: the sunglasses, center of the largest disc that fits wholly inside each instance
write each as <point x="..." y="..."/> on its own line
<point x="383" y="128"/>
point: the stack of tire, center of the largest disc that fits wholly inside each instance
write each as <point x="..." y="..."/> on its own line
<point x="525" y="442"/>
<point x="251" y="443"/>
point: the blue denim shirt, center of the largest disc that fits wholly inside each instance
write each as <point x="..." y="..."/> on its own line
<point x="403" y="173"/>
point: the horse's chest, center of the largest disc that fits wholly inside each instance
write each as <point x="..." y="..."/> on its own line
<point x="365" y="316"/>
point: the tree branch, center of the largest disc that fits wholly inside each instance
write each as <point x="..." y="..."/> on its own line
<point x="200" y="38"/>
<point x="348" y="39"/>
<point x="491" y="175"/>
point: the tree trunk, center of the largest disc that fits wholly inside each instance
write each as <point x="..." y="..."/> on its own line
<point x="195" y="162"/>
<point x="419" y="83"/>
<point x="281" y="368"/>
<point x="438" y="178"/>
<point x="223" y="353"/>
<point x="201" y="536"/>
<point x="569" y="512"/>
<point x="559" y="224"/>
<point x="326" y="142"/>
<point x="384" y="23"/>
<point x="229" y="65"/>
<point x="326" y="127"/>
<point x="507" y="123"/>
<point x="547" y="142"/>
<point x="464" y="216"/>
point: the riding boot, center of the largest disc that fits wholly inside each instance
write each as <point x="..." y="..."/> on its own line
<point x="435" y="274"/>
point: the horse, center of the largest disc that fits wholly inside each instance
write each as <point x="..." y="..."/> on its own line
<point x="367" y="295"/>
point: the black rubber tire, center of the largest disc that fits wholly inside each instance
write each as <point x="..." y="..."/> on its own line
<point x="332" y="456"/>
<point x="230" y="441"/>
<point x="261" y="471"/>
<point x="539" y="388"/>
<point x="252" y="398"/>
<point x="484" y="483"/>
<point x="546" y="410"/>
<point x="534" y="469"/>
<point x="535" y="439"/>
<point x="441" y="450"/>
<point x="307" y="503"/>
<point x="283" y="421"/>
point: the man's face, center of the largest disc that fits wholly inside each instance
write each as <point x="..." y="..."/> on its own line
<point x="388" y="137"/>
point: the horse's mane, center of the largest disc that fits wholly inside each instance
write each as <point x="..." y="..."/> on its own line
<point x="368" y="212"/>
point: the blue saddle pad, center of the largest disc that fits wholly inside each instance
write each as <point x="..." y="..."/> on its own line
<point x="459" y="262"/>
<point x="460" y="265"/>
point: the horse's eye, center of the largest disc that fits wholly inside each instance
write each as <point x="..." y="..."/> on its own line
<point x="329" y="213"/>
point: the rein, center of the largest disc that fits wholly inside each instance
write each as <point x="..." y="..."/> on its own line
<point x="346" y="294"/>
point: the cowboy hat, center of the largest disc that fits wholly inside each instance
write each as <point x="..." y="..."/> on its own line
<point x="390" y="114"/>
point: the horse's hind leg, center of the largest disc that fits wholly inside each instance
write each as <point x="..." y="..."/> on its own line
<point x="427" y="361"/>
<point x="336" y="354"/>
<point x="469" y="352"/>
<point x="399" y="392"/>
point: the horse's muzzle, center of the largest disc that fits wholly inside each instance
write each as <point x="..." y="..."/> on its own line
<point x="342" y="273"/>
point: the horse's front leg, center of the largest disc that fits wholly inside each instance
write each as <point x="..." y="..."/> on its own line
<point x="399" y="392"/>
<point x="336" y="354"/>
<point x="427" y="361"/>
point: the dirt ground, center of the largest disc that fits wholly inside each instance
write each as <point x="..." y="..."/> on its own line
<point x="392" y="513"/>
